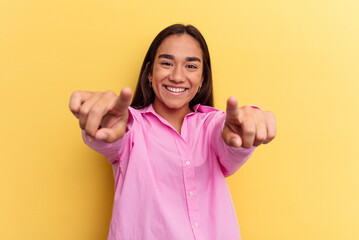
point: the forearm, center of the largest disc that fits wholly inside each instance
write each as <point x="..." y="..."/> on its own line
<point x="230" y="158"/>
<point x="110" y="151"/>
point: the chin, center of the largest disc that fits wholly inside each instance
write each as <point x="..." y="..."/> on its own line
<point x="175" y="106"/>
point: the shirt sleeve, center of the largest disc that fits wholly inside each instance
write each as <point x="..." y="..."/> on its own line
<point x="111" y="151"/>
<point x="230" y="158"/>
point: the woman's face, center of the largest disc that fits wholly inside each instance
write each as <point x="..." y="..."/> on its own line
<point x="177" y="72"/>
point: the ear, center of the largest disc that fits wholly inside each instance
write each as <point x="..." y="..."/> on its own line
<point x="149" y="75"/>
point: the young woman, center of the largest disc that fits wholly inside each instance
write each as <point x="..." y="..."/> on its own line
<point x="170" y="149"/>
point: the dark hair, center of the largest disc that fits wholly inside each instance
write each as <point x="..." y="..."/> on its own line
<point x="144" y="95"/>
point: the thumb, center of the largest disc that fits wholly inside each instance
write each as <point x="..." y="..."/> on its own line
<point x="112" y="134"/>
<point x="231" y="138"/>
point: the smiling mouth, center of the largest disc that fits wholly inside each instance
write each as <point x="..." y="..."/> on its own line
<point x="175" y="90"/>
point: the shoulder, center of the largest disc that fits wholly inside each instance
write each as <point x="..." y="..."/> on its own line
<point x="142" y="116"/>
<point x="136" y="114"/>
<point x="207" y="111"/>
<point x="207" y="116"/>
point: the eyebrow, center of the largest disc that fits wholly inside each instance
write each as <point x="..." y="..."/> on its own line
<point x="171" y="57"/>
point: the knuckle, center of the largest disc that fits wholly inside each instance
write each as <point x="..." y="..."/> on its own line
<point x="72" y="105"/>
<point x="98" y="93"/>
<point x="84" y="111"/>
<point x="249" y="130"/>
<point x="261" y="138"/>
<point x="109" y="93"/>
<point x="96" y="110"/>
<point x="78" y="94"/>
<point x="73" y="108"/>
<point x="271" y="136"/>
<point x="75" y="94"/>
<point x="249" y="127"/>
<point x="269" y="115"/>
<point x="272" y="132"/>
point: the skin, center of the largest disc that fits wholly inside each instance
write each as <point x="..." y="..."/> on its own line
<point x="176" y="78"/>
<point x="178" y="66"/>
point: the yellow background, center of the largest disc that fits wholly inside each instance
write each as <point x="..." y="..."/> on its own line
<point x="299" y="59"/>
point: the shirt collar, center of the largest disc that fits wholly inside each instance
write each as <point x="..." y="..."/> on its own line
<point x="196" y="108"/>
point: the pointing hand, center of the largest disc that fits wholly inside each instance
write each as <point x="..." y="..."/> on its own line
<point x="103" y="115"/>
<point x="247" y="126"/>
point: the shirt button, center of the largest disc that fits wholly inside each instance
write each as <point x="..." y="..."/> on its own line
<point x="196" y="224"/>
<point x="188" y="163"/>
<point x="191" y="193"/>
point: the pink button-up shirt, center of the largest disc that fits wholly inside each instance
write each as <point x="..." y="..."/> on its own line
<point x="171" y="186"/>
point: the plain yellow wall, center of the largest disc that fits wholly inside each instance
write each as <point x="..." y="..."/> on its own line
<point x="299" y="59"/>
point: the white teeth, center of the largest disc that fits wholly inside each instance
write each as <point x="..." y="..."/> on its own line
<point x="176" y="90"/>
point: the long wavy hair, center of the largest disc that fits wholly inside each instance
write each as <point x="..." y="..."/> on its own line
<point x="144" y="95"/>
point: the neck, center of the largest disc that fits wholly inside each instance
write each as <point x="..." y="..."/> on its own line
<point x="174" y="117"/>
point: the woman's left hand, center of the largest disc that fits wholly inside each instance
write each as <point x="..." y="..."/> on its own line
<point x="247" y="126"/>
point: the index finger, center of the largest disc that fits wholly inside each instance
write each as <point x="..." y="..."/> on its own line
<point x="232" y="108"/>
<point x="122" y="102"/>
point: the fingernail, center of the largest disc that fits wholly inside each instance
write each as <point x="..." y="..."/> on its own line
<point x="89" y="138"/>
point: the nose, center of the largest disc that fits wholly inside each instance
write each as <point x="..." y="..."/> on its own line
<point x="177" y="75"/>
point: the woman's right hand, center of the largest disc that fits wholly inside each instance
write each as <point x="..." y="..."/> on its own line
<point x="103" y="115"/>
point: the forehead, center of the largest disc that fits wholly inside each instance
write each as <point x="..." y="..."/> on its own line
<point x="180" y="45"/>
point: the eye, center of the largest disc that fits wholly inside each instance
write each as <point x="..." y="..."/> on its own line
<point x="192" y="66"/>
<point x="166" y="64"/>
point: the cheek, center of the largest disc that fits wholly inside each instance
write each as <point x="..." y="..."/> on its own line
<point x="158" y="75"/>
<point x="198" y="78"/>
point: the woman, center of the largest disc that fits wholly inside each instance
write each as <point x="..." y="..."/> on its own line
<point x="171" y="150"/>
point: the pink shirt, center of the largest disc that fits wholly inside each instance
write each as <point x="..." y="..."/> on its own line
<point x="170" y="186"/>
